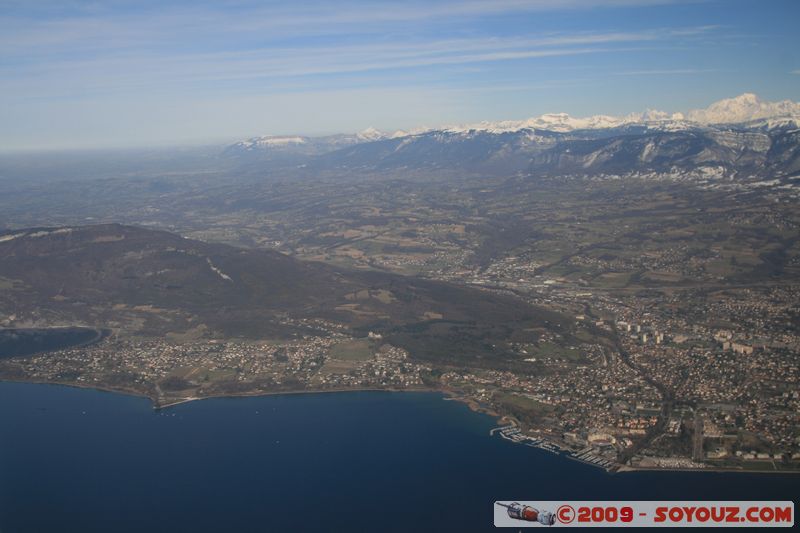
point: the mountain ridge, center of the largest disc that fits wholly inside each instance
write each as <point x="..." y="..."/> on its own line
<point x="747" y="107"/>
<point x="763" y="140"/>
<point x="144" y="282"/>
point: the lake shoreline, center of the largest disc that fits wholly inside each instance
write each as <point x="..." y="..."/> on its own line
<point x="99" y="335"/>
<point x="448" y="394"/>
<point x="160" y="404"/>
<point x="261" y="460"/>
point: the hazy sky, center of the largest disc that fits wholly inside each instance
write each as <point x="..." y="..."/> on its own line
<point x="117" y="72"/>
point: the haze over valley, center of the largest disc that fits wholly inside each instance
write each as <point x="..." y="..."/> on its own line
<point x="628" y="280"/>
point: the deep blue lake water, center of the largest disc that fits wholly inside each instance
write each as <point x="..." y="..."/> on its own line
<point x="91" y="461"/>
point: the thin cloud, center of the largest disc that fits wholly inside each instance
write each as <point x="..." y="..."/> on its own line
<point x="666" y="72"/>
<point x="86" y="30"/>
<point x="133" y="70"/>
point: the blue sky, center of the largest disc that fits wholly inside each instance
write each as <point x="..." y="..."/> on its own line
<point x="133" y="73"/>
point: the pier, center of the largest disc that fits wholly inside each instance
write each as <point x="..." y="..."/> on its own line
<point x="586" y="455"/>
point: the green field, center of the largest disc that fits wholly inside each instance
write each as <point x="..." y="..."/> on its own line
<point x="522" y="406"/>
<point x="353" y="350"/>
<point x="554" y="351"/>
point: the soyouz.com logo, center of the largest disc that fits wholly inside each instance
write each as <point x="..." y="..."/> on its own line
<point x="644" y="514"/>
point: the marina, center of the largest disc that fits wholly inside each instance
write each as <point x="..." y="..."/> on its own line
<point x="586" y="455"/>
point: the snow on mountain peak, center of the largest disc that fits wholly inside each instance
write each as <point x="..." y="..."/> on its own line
<point x="371" y="134"/>
<point x="283" y="140"/>
<point x="743" y="108"/>
<point x="559" y="122"/>
<point x="268" y="140"/>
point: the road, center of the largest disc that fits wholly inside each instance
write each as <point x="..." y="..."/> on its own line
<point x="667" y="403"/>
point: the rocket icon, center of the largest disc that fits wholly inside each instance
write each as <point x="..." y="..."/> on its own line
<point x="529" y="514"/>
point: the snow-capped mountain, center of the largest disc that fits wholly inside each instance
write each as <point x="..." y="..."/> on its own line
<point x="560" y="122"/>
<point x="744" y="108"/>
<point x="371" y="134"/>
<point x="288" y="146"/>
<point x="742" y="136"/>
<point x="271" y="142"/>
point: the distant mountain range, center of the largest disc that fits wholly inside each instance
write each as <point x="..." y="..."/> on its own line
<point x="742" y="136"/>
<point x="282" y="146"/>
<point x="744" y="108"/>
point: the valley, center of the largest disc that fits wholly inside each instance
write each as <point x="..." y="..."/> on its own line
<point x="649" y="313"/>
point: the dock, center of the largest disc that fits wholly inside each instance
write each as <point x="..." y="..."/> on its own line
<point x="586" y="455"/>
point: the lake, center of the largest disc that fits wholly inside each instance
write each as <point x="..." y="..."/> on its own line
<point x="85" y="461"/>
<point x="21" y="342"/>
